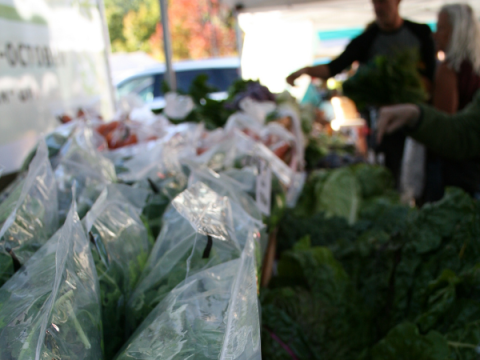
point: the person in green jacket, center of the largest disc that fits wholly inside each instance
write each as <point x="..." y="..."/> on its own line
<point x="453" y="136"/>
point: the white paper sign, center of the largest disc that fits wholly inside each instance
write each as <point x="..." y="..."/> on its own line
<point x="264" y="187"/>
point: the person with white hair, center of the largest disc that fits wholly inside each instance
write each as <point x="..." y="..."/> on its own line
<point x="457" y="79"/>
<point x="458" y="76"/>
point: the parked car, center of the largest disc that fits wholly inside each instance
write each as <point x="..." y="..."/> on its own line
<point x="147" y="84"/>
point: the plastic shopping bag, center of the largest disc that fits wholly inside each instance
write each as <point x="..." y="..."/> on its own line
<point x="412" y="180"/>
<point x="245" y="213"/>
<point x="158" y="171"/>
<point x="197" y="234"/>
<point x="120" y="248"/>
<point x="29" y="216"/>
<point x="211" y="315"/>
<point x="50" y="309"/>
<point x="81" y="162"/>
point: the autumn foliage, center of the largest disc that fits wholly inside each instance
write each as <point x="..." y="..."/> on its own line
<point x="199" y="28"/>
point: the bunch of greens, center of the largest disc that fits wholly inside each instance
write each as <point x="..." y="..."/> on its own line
<point x="161" y="193"/>
<point x="29" y="216"/>
<point x="50" y="309"/>
<point x="120" y="247"/>
<point x="386" y="81"/>
<point x="400" y="283"/>
<point x="341" y="192"/>
<point x="80" y="163"/>
<point x="186" y="245"/>
<point x="212" y="113"/>
<point x="212" y="314"/>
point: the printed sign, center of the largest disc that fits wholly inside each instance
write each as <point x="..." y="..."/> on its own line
<point x="52" y="61"/>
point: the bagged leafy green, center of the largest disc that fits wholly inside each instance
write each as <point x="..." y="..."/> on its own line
<point x="197" y="234"/>
<point x="210" y="315"/>
<point x="81" y="162"/>
<point x="55" y="140"/>
<point x="159" y="171"/>
<point x="29" y="216"/>
<point x="245" y="213"/>
<point x="120" y="247"/>
<point x="50" y="309"/>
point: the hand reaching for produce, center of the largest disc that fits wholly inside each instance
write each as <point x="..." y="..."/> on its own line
<point x="392" y="118"/>
<point x="295" y="75"/>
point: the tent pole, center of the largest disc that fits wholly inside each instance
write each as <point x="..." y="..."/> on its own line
<point x="167" y="45"/>
<point x="238" y="35"/>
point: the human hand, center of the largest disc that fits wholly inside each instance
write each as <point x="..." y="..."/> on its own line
<point x="392" y="118"/>
<point x="293" y="76"/>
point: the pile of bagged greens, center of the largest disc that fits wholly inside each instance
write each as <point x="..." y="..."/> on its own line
<point x="154" y="250"/>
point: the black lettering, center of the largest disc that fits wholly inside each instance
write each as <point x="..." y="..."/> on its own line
<point x="39" y="53"/>
<point x="48" y="56"/>
<point x="4" y="97"/>
<point x="12" y="55"/>
<point x="23" y="50"/>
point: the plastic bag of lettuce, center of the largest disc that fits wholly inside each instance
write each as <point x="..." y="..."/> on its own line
<point x="29" y="216"/>
<point x="50" y="309"/>
<point x="197" y="234"/>
<point x="81" y="163"/>
<point x="211" y="315"/>
<point x="157" y="170"/>
<point x="120" y="247"/>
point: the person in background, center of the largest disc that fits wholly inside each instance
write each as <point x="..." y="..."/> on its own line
<point x="456" y="81"/>
<point x="386" y="36"/>
<point x="452" y="136"/>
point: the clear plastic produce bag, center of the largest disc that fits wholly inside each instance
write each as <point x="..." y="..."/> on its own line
<point x="82" y="163"/>
<point x="120" y="248"/>
<point x="29" y="216"/>
<point x="197" y="234"/>
<point x="211" y="315"/>
<point x="412" y="180"/>
<point x="245" y="213"/>
<point x="50" y="309"/>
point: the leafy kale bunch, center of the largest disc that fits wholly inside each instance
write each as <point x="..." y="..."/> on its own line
<point x="213" y="113"/>
<point x="212" y="314"/>
<point x="50" y="309"/>
<point x="161" y="193"/>
<point x="28" y="216"/>
<point x="387" y="80"/>
<point x="182" y="249"/>
<point x="404" y="285"/>
<point x="120" y="247"/>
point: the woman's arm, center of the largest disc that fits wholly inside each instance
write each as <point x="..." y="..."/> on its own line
<point x="445" y="93"/>
<point x="454" y="136"/>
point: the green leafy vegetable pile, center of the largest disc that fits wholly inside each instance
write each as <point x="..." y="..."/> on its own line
<point x="120" y="247"/>
<point x="399" y="283"/>
<point x="182" y="249"/>
<point x="50" y="309"/>
<point x="28" y="216"/>
<point x="386" y="81"/>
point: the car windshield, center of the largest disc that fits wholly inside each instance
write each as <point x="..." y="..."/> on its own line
<point x="218" y="78"/>
<point x="149" y="87"/>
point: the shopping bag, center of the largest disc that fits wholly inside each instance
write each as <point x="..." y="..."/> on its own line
<point x="29" y="216"/>
<point x="120" y="247"/>
<point x="82" y="163"/>
<point x="412" y="180"/>
<point x="50" y="309"/>
<point x="212" y="314"/>
<point x="197" y="234"/>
